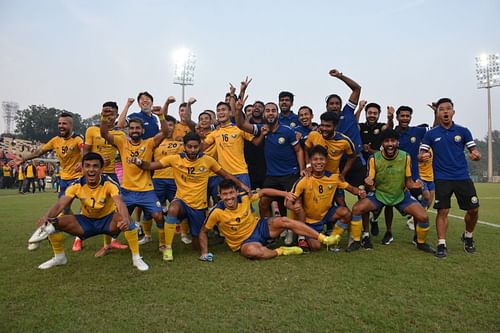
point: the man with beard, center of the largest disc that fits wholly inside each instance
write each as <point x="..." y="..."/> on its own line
<point x="389" y="176"/>
<point x="287" y="117"/>
<point x="305" y="116"/>
<point x="191" y="171"/>
<point x="137" y="186"/>
<point x="283" y="154"/>
<point x="242" y="230"/>
<point x="103" y="212"/>
<point x="254" y="154"/>
<point x="451" y="174"/>
<point x="370" y="136"/>
<point x="68" y="147"/>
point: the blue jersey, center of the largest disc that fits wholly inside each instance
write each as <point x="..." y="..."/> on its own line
<point x="292" y="120"/>
<point x="279" y="151"/>
<point x="448" y="146"/>
<point x="410" y="141"/>
<point x="348" y="125"/>
<point x="304" y="131"/>
<point x="151" y="127"/>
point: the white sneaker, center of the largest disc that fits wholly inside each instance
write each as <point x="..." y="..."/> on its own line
<point x="186" y="239"/>
<point x="410" y="224"/>
<point x="145" y="240"/>
<point x="140" y="264"/>
<point x="54" y="261"/>
<point x="33" y="246"/>
<point x="42" y="233"/>
<point x="289" y="238"/>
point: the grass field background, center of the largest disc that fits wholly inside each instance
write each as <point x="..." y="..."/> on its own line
<point x="392" y="288"/>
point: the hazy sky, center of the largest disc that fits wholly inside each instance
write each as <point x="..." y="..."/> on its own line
<point x="75" y="55"/>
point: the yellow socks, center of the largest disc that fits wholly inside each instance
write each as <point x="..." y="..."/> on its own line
<point x="147" y="225"/>
<point x="57" y="242"/>
<point x="133" y="241"/>
<point x="422" y="230"/>
<point x="356" y="225"/>
<point x="107" y="240"/>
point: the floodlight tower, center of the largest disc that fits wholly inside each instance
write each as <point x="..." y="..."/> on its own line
<point x="9" y="113"/>
<point x="185" y="62"/>
<point x="488" y="76"/>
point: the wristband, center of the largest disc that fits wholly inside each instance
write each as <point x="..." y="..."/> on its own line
<point x="161" y="117"/>
<point x="308" y="165"/>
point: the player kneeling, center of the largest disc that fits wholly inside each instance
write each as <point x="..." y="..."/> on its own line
<point x="103" y="212"/>
<point x="243" y="231"/>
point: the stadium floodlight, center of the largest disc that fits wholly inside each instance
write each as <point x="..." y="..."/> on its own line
<point x="185" y="63"/>
<point x="488" y="76"/>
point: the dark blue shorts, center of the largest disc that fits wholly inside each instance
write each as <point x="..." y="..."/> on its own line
<point x="428" y="186"/>
<point x="213" y="183"/>
<point x="63" y="185"/>
<point x="318" y="226"/>
<point x="260" y="234"/>
<point x="195" y="217"/>
<point x="165" y="189"/>
<point x="92" y="227"/>
<point x="401" y="206"/>
<point x="146" y="200"/>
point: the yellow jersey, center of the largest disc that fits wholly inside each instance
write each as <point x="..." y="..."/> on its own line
<point x="95" y="202"/>
<point x="30" y="171"/>
<point x="134" y="178"/>
<point x="6" y="171"/>
<point x="229" y="143"/>
<point x="180" y="130"/>
<point x="68" y="152"/>
<point x="318" y="194"/>
<point x="99" y="145"/>
<point x="425" y="168"/>
<point x="236" y="225"/>
<point x="166" y="147"/>
<point x="339" y="145"/>
<point x="212" y="152"/>
<point x="20" y="173"/>
<point x="191" y="177"/>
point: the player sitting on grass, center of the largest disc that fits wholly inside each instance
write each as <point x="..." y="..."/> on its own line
<point x="390" y="179"/>
<point x="242" y="229"/>
<point x="315" y="204"/>
<point x="103" y="212"/>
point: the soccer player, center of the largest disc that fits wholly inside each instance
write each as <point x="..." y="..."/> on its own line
<point x="68" y="148"/>
<point x="370" y="137"/>
<point x="286" y="116"/>
<point x="254" y="154"/>
<point x="316" y="193"/>
<point x="191" y="171"/>
<point x="185" y="124"/>
<point x="103" y="212"/>
<point x="389" y="176"/>
<point x="451" y="174"/>
<point x="95" y="143"/>
<point x="228" y="140"/>
<point x="305" y="116"/>
<point x="137" y="186"/>
<point x="145" y="101"/>
<point x="242" y="230"/>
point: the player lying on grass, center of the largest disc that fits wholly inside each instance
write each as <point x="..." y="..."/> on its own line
<point x="242" y="229"/>
<point x="103" y="212"/>
<point x="389" y="178"/>
<point x="315" y="200"/>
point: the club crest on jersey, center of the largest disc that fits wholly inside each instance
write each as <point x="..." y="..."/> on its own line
<point x="234" y="135"/>
<point x="281" y="140"/>
<point x="202" y="169"/>
<point x="413" y="139"/>
<point x="376" y="131"/>
<point x="158" y="204"/>
<point x="330" y="187"/>
<point x="474" y="200"/>
<point x="142" y="149"/>
<point x="292" y="124"/>
<point x="458" y="138"/>
<point x="102" y="201"/>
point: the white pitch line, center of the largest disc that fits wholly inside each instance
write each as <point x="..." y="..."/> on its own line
<point x="478" y="221"/>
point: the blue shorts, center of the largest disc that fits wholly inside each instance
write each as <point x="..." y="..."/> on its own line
<point x="428" y="186"/>
<point x="146" y="200"/>
<point x="165" y="189"/>
<point x="318" y="226"/>
<point x="339" y="193"/>
<point x="260" y="234"/>
<point x="92" y="227"/>
<point x="213" y="183"/>
<point x="212" y="188"/>
<point x="407" y="201"/>
<point x="195" y="217"/>
<point x="63" y="185"/>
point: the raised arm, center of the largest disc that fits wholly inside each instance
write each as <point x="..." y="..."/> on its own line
<point x="187" y="115"/>
<point x="106" y="113"/>
<point x="226" y="175"/>
<point x="299" y="153"/>
<point x="355" y="87"/>
<point x="241" y="122"/>
<point x="158" y="138"/>
<point x="122" y="119"/>
<point x="360" y="108"/>
<point x="390" y="118"/>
